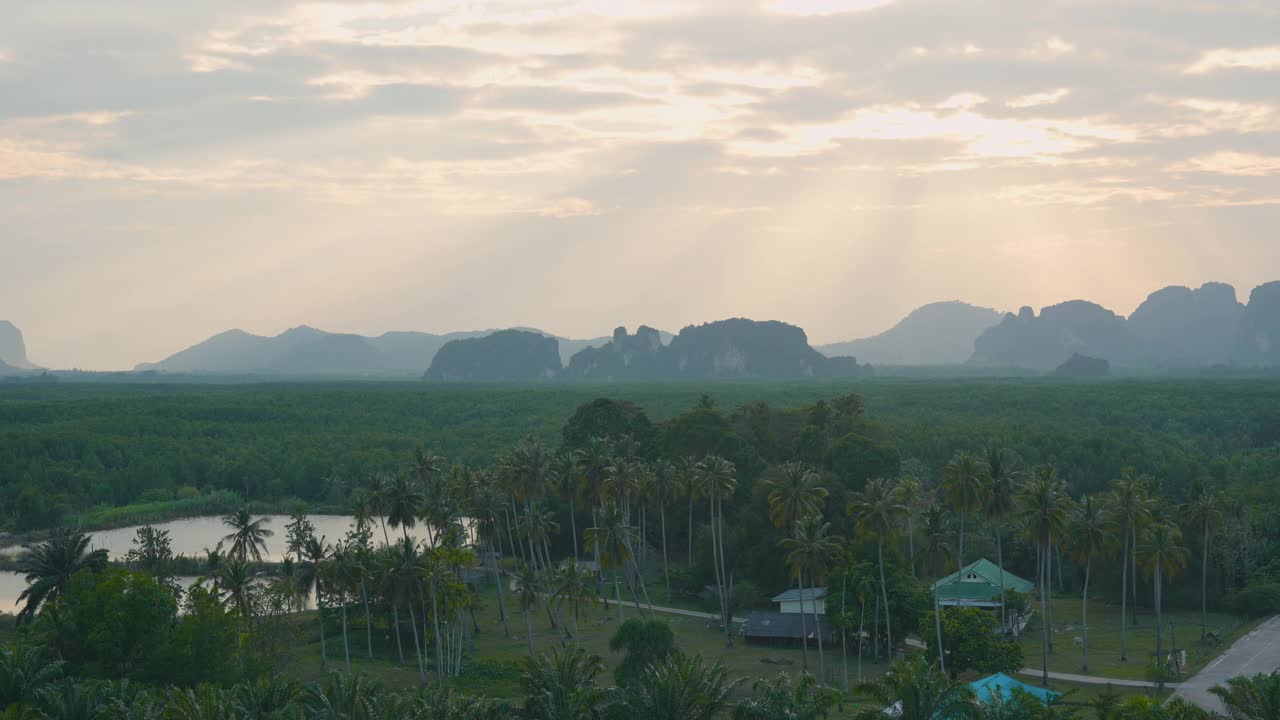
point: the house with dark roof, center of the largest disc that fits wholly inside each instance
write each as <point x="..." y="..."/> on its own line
<point x="785" y="628"/>
<point x="978" y="585"/>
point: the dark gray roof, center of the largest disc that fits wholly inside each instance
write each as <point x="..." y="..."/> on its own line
<point x="764" y="625"/>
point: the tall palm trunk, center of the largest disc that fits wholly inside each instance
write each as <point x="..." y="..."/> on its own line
<point x="1004" y="621"/>
<point x="346" y="647"/>
<point x="715" y="560"/>
<point x="844" y="631"/>
<point x="862" y="624"/>
<point x="573" y="524"/>
<point x="1043" y="552"/>
<point x="617" y="596"/>
<point x="1048" y="560"/>
<point x="728" y="620"/>
<point x="1124" y="599"/>
<point x="1159" y="623"/>
<point x="368" y="619"/>
<point x="817" y="626"/>
<point x="1084" y="618"/>
<point x="528" y="630"/>
<point x="395" y="619"/>
<point x="884" y="592"/>
<point x="960" y="555"/>
<point x="804" y="630"/>
<point x="690" y="561"/>
<point x="1133" y="576"/>
<point x="324" y="655"/>
<point x="435" y="620"/>
<point x="666" y="569"/>
<point x="937" y="629"/>
<point x="417" y="646"/>
<point x="1204" y="581"/>
<point x="497" y="581"/>
<point x="911" y="546"/>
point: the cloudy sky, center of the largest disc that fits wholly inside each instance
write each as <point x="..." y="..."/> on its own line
<point x="169" y="170"/>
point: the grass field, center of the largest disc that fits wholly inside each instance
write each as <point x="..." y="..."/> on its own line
<point x="1104" y="639"/>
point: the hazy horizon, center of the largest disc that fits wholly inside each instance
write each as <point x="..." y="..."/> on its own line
<point x="169" y="171"/>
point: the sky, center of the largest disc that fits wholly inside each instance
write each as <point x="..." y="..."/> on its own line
<point x="170" y="170"/>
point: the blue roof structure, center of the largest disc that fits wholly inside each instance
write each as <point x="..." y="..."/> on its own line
<point x="1004" y="685"/>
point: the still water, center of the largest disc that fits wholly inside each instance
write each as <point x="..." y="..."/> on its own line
<point x="192" y="536"/>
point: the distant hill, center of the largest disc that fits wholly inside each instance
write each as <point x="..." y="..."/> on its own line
<point x="506" y="356"/>
<point x="1080" y="366"/>
<point x="1046" y="341"/>
<point x="13" y="350"/>
<point x="1180" y="327"/>
<point x="940" y="333"/>
<point x="307" y="351"/>
<point x="1258" y="337"/>
<point x="623" y="357"/>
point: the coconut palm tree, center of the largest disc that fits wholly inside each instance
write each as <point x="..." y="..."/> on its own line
<point x="936" y="528"/>
<point x="486" y="507"/>
<point x="911" y="490"/>
<point x="612" y="542"/>
<point x="49" y="565"/>
<point x="794" y="494"/>
<point x="964" y="487"/>
<point x="527" y="593"/>
<point x="875" y="512"/>
<point x="919" y="691"/>
<point x="344" y="574"/>
<point x="248" y="537"/>
<point x="566" y="473"/>
<point x="530" y="468"/>
<point x="811" y="552"/>
<point x="1162" y="556"/>
<point x="718" y="481"/>
<point x="25" y="670"/>
<point x="236" y="581"/>
<point x="681" y="687"/>
<point x="687" y="479"/>
<point x="313" y="576"/>
<point x="1088" y="539"/>
<point x="573" y="585"/>
<point x="1046" y="507"/>
<point x="664" y="482"/>
<point x="1251" y="698"/>
<point x="1203" y="512"/>
<point x="1000" y="480"/>
<point x="403" y="500"/>
<point x="1130" y="508"/>
<point x="403" y="568"/>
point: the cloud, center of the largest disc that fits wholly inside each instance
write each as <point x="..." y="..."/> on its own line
<point x="1231" y="163"/>
<point x="824" y="7"/>
<point x="568" y="207"/>
<point x="1262" y="58"/>
<point x="1039" y="99"/>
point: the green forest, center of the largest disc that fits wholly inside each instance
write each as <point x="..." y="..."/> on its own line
<point x="1143" y="503"/>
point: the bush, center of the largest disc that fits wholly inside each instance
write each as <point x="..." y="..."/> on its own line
<point x="970" y="639"/>
<point x="1258" y="600"/>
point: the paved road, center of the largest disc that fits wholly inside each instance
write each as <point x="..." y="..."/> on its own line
<point x="1257" y="652"/>
<point x="1090" y="679"/>
<point x="676" y="611"/>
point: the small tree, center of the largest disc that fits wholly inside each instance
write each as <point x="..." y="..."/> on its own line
<point x="645" y="642"/>
<point x="972" y="643"/>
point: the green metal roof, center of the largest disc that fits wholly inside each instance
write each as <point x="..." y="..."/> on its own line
<point x="985" y="587"/>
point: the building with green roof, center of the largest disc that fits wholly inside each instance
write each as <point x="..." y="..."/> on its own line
<point x="978" y="585"/>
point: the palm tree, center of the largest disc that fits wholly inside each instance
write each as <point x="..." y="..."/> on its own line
<point x="530" y="466"/>
<point x="344" y="573"/>
<point x="573" y="584"/>
<point x="687" y="475"/>
<point x="248" y="537"/>
<point x="486" y="505"/>
<point x="313" y="575"/>
<point x="1000" y="505"/>
<point x="681" y="687"/>
<point x="875" y="512"/>
<point x="566" y="470"/>
<point x="1088" y="539"/>
<point x="964" y="487"/>
<point x="1202" y="511"/>
<point x="794" y="494"/>
<point x="1046" y="507"/>
<point x="1251" y="698"/>
<point x="403" y="501"/>
<point x="24" y="672"/>
<point x="936" y="527"/>
<point x="718" y="480"/>
<point x="404" y="578"/>
<point x="236" y="580"/>
<point x="800" y="699"/>
<point x="612" y="540"/>
<point x="910" y="489"/>
<point x="919" y="691"/>
<point x="527" y="593"/>
<point x="561" y="685"/>
<point x="811" y="552"/>
<point x="49" y="565"/>
<point x="664" y="481"/>
<point x="1129" y="509"/>
<point x="1163" y="557"/>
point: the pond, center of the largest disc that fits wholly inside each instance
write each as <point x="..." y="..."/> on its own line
<point x="192" y="536"/>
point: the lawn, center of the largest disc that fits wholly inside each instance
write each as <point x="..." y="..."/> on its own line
<point x="497" y="660"/>
<point x="1104" y="639"/>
